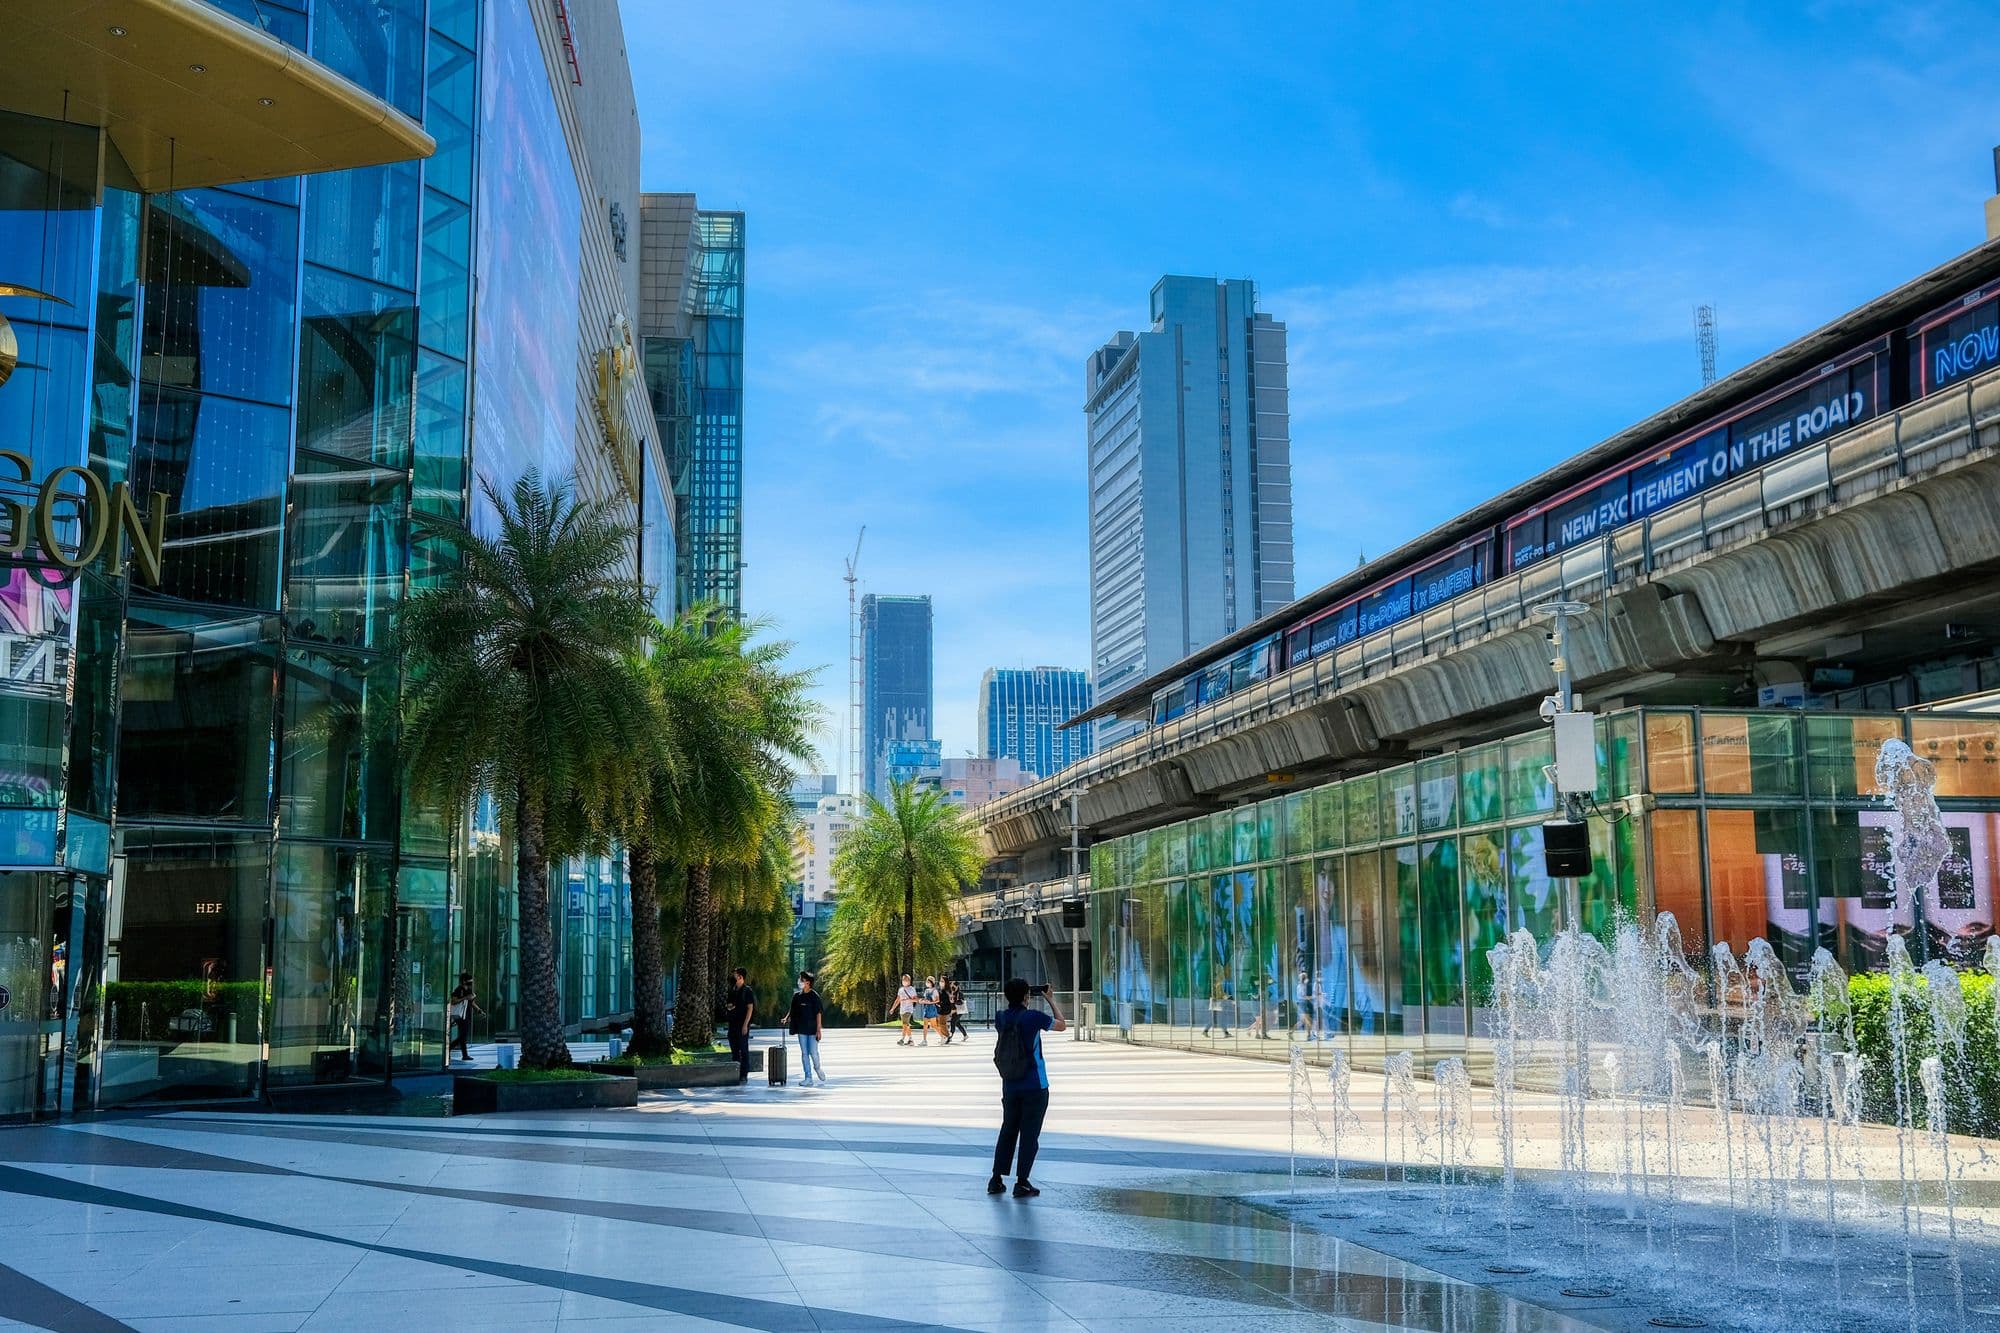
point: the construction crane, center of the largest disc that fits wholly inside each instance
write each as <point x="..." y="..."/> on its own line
<point x="853" y="578"/>
<point x="1704" y="337"/>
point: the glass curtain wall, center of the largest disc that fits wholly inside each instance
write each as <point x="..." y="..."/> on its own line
<point x="1361" y="912"/>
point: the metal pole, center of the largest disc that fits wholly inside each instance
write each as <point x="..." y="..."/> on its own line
<point x="1075" y="935"/>
<point x="1572" y="802"/>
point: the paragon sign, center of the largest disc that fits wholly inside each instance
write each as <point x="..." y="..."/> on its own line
<point x="94" y="512"/>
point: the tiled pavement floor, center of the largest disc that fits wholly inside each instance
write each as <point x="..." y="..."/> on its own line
<point x="852" y="1206"/>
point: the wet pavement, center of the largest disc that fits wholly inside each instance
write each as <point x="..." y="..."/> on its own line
<point x="855" y="1205"/>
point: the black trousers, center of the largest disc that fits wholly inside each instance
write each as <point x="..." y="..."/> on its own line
<point x="739" y="1046"/>
<point x="958" y="1025"/>
<point x="1021" y="1115"/>
<point x="461" y="1031"/>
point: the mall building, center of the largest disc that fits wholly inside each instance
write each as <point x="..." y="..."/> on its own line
<point x="240" y="353"/>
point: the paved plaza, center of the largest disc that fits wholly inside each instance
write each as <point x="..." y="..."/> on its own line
<point x="858" y="1205"/>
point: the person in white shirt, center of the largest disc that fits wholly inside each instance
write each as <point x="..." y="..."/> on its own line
<point x="906" y="1005"/>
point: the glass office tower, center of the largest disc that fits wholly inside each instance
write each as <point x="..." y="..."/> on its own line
<point x="895" y="688"/>
<point x="211" y="883"/>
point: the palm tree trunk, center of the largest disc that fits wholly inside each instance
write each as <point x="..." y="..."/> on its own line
<point x="910" y="921"/>
<point x="694" y="1007"/>
<point x="542" y="1044"/>
<point x="649" y="964"/>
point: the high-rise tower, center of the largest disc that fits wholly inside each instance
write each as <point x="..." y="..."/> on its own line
<point x="1190" y="481"/>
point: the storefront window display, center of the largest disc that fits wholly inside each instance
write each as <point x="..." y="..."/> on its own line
<point x="1765" y="827"/>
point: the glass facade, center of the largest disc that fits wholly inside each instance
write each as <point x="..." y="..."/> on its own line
<point x="1359" y="914"/>
<point x="696" y="384"/>
<point x="212" y="884"/>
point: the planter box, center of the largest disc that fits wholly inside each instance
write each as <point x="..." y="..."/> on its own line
<point x="701" y="1074"/>
<point x="473" y="1095"/>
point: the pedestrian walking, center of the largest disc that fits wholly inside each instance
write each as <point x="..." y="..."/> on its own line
<point x="946" y="1008"/>
<point x="742" y="1010"/>
<point x="807" y="1022"/>
<point x="958" y="1010"/>
<point x="464" y="1002"/>
<point x="906" y="1005"/>
<point x="928" y="1011"/>
<point x="1024" y="1084"/>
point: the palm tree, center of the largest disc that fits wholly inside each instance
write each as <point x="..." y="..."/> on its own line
<point x="733" y="720"/>
<point x="914" y="848"/>
<point x="753" y="911"/>
<point x="520" y="683"/>
<point x="861" y="963"/>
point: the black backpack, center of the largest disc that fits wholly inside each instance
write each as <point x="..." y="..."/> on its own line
<point x="1014" y="1052"/>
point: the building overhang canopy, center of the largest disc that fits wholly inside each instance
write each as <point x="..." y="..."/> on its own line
<point x="193" y="97"/>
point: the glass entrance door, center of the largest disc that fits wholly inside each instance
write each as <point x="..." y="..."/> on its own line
<point x="184" y="984"/>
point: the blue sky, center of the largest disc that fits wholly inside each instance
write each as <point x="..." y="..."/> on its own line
<point x="1486" y="228"/>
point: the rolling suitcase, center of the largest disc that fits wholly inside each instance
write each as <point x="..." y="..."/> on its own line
<point x="774" y="1064"/>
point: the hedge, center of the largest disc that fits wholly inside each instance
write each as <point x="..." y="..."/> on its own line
<point x="1972" y="1084"/>
<point x="145" y="1008"/>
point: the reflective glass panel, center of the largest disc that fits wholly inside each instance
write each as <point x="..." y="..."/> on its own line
<point x="344" y="564"/>
<point x="1481" y="784"/>
<point x="196" y="729"/>
<point x="324" y="965"/>
<point x="1677" y="862"/>
<point x="1669" y="752"/>
<point x="357" y="356"/>
<point x="221" y="270"/>
<point x="364" y="222"/>
<point x="377" y="43"/>
<point x="337" y="762"/>
<point x="1329" y="818"/>
<point x="221" y="465"/>
<point x="446" y="292"/>
<point x="1745" y="754"/>
<point x="1368" y="976"/>
<point x="184" y="987"/>
<point x="1758" y="884"/>
<point x="1965" y="751"/>
<point x="1483" y="866"/>
<point x="1437" y="794"/>
<point x="452" y="92"/>
<point x="1841" y="753"/>
<point x="1399" y="793"/>
<point x="1529" y="791"/>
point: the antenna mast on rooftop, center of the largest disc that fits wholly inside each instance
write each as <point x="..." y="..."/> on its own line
<point x="1704" y="337"/>
<point x="852" y="578"/>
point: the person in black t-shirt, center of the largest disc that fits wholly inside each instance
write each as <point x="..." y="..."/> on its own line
<point x="742" y="1009"/>
<point x="807" y="1022"/>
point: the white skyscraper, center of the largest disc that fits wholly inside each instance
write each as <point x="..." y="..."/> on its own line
<point x="1190" y="482"/>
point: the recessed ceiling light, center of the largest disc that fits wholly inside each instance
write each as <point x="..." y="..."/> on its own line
<point x="116" y="31"/>
<point x="197" y="69"/>
<point x="266" y="101"/>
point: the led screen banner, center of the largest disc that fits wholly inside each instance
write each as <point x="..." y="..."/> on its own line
<point x="530" y="220"/>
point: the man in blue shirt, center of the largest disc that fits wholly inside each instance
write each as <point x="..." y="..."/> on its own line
<point x="1024" y="1083"/>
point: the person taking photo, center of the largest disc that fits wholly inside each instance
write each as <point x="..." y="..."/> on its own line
<point x="1024" y="1083"/>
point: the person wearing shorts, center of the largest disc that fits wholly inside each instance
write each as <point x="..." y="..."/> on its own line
<point x="906" y="1005"/>
<point x="928" y="1009"/>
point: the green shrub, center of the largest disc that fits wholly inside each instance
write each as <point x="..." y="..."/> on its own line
<point x="535" y="1075"/>
<point x="1972" y="1085"/>
<point x="146" y="1010"/>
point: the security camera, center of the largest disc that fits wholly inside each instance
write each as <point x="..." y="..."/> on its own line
<point x="1551" y="705"/>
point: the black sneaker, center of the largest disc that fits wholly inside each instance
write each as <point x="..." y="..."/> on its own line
<point x="1023" y="1190"/>
<point x="996" y="1186"/>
